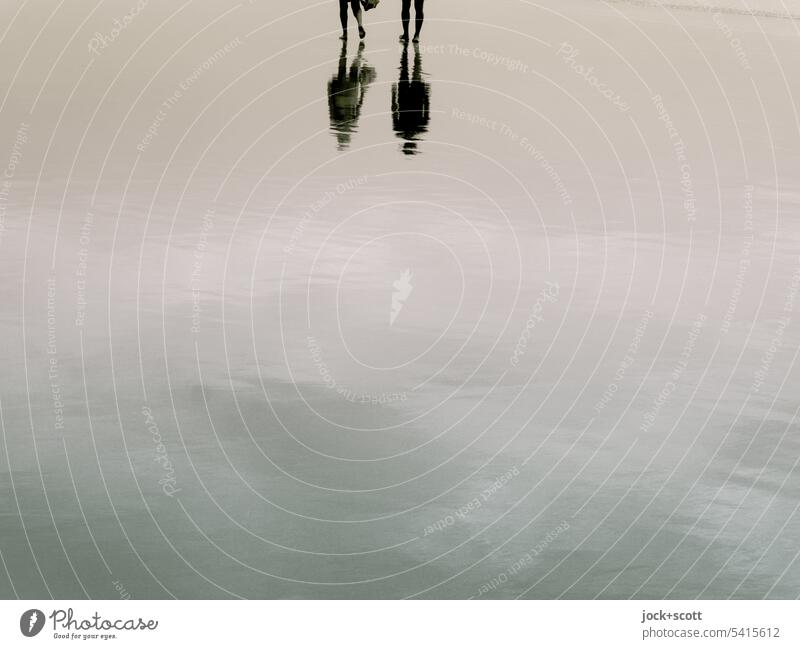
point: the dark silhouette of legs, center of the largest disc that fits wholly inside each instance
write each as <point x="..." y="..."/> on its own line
<point x="411" y="103"/>
<point x="355" y="5"/>
<point x="406" y="17"/>
<point x="342" y="71"/>
<point x="343" y="16"/>
<point x="346" y="91"/>
<point x="419" y="16"/>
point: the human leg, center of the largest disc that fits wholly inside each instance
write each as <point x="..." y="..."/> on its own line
<point x="419" y="17"/>
<point x="406" y="17"/>
<point x="343" y="17"/>
<point x="357" y="12"/>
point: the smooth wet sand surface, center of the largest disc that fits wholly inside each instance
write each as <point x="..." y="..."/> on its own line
<point x="515" y="315"/>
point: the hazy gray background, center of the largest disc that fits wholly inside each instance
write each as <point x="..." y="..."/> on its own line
<point x="212" y="275"/>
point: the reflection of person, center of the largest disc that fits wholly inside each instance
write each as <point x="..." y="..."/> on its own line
<point x="411" y="99"/>
<point x="346" y="92"/>
<point x="419" y="16"/>
<point x="356" y="7"/>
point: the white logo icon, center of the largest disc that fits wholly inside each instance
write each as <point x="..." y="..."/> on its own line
<point x="402" y="290"/>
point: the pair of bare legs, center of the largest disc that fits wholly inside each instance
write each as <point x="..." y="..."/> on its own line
<point x="355" y="5"/>
<point x="419" y="16"/>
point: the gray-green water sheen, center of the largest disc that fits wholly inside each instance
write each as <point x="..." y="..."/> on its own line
<point x="511" y="313"/>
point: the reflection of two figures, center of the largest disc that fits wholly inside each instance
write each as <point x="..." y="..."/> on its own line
<point x="411" y="99"/>
<point x="346" y="91"/>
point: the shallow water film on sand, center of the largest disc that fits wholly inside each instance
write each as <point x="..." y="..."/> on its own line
<point x="512" y="311"/>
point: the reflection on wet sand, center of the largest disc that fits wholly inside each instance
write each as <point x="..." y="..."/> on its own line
<point x="346" y="92"/>
<point x="411" y="98"/>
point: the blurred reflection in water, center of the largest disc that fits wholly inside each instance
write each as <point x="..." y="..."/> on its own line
<point x="346" y="92"/>
<point x="411" y="98"/>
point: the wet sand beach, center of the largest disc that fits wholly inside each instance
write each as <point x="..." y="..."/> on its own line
<point x="513" y="313"/>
